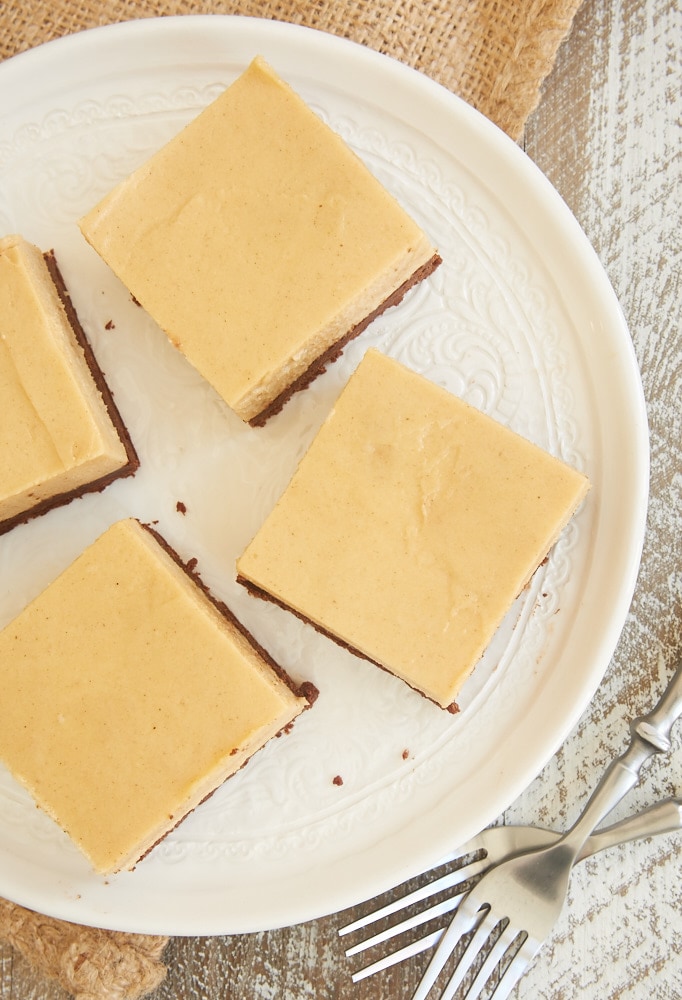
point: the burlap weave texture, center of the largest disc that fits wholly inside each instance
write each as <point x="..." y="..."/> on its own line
<point x="493" y="53"/>
<point x="90" y="964"/>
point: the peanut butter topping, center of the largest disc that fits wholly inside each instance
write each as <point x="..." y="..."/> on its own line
<point x="256" y="239"/>
<point x="127" y="697"/>
<point x="411" y="525"/>
<point x="55" y="431"/>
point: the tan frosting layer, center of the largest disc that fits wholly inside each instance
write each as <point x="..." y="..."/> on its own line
<point x="55" y="432"/>
<point x="256" y="239"/>
<point x="127" y="697"/>
<point x="411" y="525"/>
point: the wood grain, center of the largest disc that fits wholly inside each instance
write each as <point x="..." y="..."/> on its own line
<point x="607" y="136"/>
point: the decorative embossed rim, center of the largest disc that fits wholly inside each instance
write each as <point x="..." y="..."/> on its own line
<point x="164" y="899"/>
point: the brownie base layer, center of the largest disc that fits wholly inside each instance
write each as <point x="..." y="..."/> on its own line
<point x="334" y="352"/>
<point x="306" y="689"/>
<point x="132" y="463"/>
<point x="256" y="591"/>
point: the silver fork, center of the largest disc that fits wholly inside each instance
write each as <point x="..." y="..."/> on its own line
<point x="483" y="851"/>
<point x="513" y="908"/>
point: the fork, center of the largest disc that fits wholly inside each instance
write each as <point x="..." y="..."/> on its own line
<point x="520" y="898"/>
<point x="477" y="856"/>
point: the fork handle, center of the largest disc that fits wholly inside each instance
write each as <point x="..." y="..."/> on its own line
<point x="662" y="817"/>
<point x="649" y="734"/>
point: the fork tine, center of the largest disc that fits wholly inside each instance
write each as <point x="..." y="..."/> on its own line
<point x="408" y="951"/>
<point x="447" y="906"/>
<point x="448" y="881"/>
<point x="474" y="948"/>
<point x="467" y="918"/>
<point x="500" y="948"/>
<point x="511" y="975"/>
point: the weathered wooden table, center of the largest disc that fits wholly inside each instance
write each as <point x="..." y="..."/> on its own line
<point x="607" y="134"/>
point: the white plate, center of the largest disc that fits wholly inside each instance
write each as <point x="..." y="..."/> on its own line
<point x="520" y="320"/>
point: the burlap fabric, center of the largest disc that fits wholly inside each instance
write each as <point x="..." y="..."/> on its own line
<point x="91" y="964"/>
<point x="493" y="53"/>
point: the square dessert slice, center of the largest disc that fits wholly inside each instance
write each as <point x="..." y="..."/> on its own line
<point x="127" y="695"/>
<point x="410" y="526"/>
<point x="259" y="242"/>
<point x="61" y="434"/>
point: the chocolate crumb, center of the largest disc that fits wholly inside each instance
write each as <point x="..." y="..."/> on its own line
<point x="406" y="754"/>
<point x="110" y="325"/>
<point x="136" y="302"/>
<point x="338" y="780"/>
<point x="181" y="507"/>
